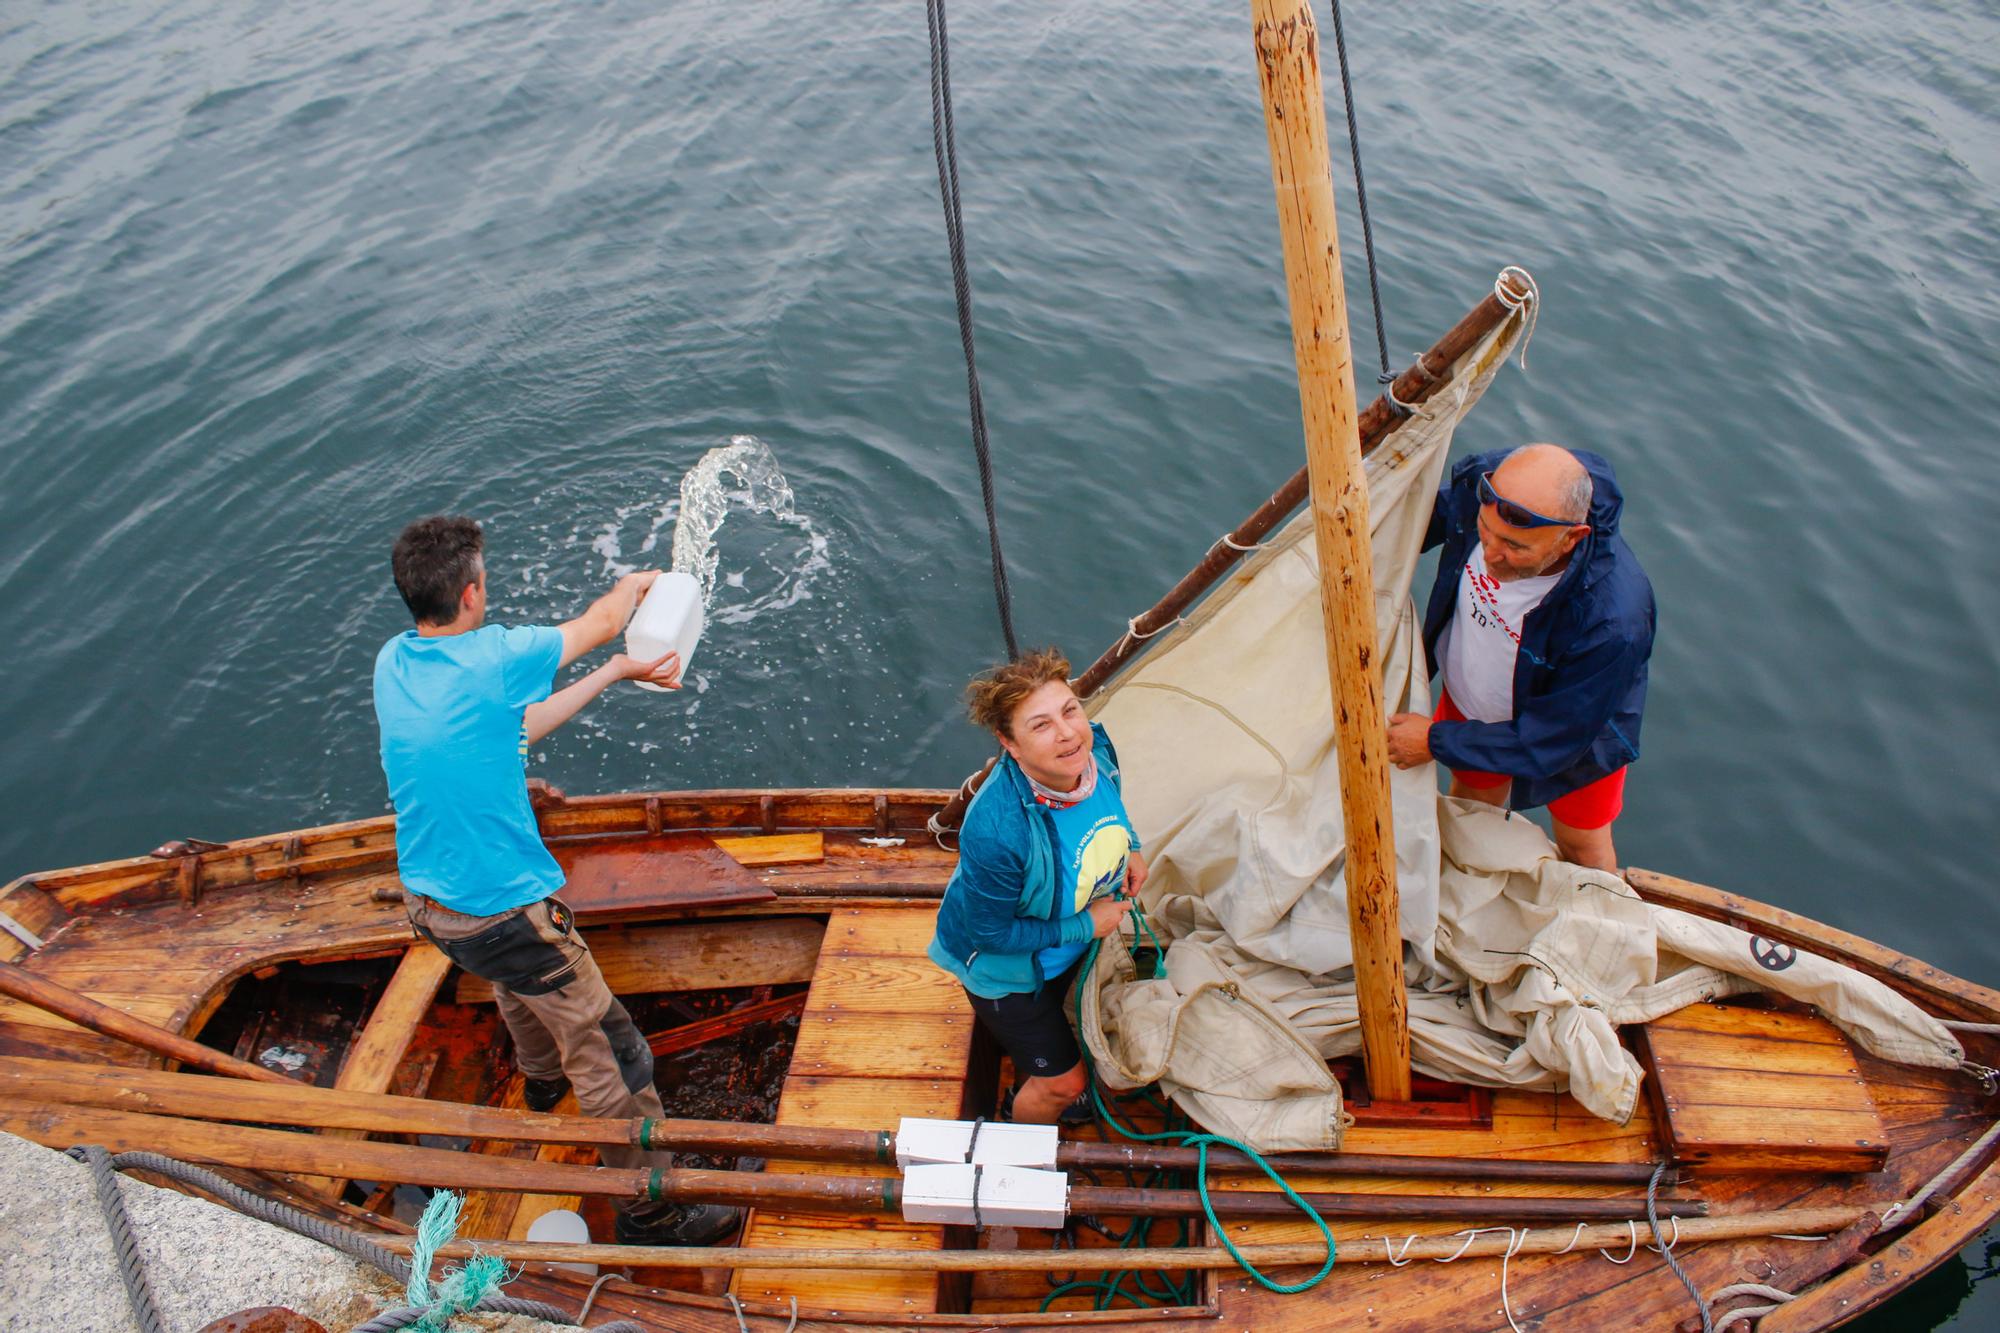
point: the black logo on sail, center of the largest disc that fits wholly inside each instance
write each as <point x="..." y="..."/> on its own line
<point x="1771" y="955"/>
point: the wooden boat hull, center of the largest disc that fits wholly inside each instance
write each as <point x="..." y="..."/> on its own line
<point x="167" y="937"/>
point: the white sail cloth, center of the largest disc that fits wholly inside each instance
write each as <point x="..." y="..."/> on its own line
<point x="1519" y="966"/>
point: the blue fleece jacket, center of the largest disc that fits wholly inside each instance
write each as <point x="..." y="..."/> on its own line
<point x="1002" y="906"/>
<point x="1580" y="675"/>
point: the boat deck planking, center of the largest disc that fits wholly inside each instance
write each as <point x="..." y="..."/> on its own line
<point x="885" y="1034"/>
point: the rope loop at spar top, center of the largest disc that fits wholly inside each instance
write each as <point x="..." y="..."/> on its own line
<point x="944" y="143"/>
<point x="1532" y="302"/>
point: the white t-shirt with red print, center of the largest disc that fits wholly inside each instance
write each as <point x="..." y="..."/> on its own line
<point x="1484" y="636"/>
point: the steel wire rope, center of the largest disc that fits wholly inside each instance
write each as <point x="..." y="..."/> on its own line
<point x="944" y="143"/>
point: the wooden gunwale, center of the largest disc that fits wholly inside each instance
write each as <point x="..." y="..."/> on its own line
<point x="1934" y="1118"/>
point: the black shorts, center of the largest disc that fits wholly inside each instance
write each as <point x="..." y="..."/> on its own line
<point x="1033" y="1028"/>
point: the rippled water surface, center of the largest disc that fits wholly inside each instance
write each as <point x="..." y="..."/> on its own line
<point x="275" y="279"/>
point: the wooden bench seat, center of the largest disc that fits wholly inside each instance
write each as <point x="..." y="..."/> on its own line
<point x="1738" y="1088"/>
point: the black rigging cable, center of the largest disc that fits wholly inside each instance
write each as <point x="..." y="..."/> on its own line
<point x="1361" y="198"/>
<point x="946" y="146"/>
<point x="944" y="143"/>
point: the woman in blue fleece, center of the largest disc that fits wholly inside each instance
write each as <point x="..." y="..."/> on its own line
<point x="1047" y="862"/>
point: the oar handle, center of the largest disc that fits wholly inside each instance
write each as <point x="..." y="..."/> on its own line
<point x="80" y="1009"/>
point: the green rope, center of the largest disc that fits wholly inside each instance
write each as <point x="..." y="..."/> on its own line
<point x="1198" y="1141"/>
<point x="462" y="1288"/>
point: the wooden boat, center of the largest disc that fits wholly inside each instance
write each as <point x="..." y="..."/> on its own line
<point x="828" y="894"/>
<point x="1803" y="1167"/>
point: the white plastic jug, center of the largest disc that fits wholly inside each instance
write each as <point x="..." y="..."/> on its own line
<point x="669" y="617"/>
<point x="560" y="1226"/>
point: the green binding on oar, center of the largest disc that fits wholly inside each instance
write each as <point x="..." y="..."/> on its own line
<point x="1201" y="1142"/>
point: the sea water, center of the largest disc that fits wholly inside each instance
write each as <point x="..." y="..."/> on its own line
<point x="270" y="289"/>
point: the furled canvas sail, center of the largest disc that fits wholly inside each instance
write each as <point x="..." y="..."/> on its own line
<point x="1519" y="966"/>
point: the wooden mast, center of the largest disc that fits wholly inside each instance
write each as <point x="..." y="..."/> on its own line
<point x="1287" y="45"/>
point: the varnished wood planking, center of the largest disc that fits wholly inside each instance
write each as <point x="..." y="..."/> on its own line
<point x="1745" y="1089"/>
<point x="1718" y="1050"/>
<point x="781" y="849"/>
<point x="900" y="1024"/>
<point x="884" y="985"/>
<point x="861" y="932"/>
<point x="378" y="1050"/>
<point x="1741" y="1020"/>
<point x="866" y="1103"/>
<point x="693" y="955"/>
<point x="532" y="1206"/>
<point x="489" y="1214"/>
<point x="1776" y="1091"/>
<point x="874" y="1045"/>
<point x="1704" y="1124"/>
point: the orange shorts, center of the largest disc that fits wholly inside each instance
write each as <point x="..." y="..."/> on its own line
<point x="1593" y="806"/>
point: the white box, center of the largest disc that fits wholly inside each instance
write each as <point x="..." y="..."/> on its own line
<point x="919" y="1142"/>
<point x="1009" y="1196"/>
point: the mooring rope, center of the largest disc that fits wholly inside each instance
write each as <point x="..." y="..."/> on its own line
<point x="130" y="1266"/>
<point x="944" y="143"/>
<point x="1666" y="1247"/>
<point x="348" y="1242"/>
<point x="1897" y="1212"/>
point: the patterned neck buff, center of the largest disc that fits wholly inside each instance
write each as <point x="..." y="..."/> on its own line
<point x="1064" y="799"/>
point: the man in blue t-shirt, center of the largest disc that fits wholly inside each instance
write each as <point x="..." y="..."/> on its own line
<point x="459" y="702"/>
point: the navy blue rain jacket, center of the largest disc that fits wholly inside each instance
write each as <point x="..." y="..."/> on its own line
<point x="1580" y="676"/>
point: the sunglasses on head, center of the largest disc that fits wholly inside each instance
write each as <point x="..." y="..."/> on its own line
<point x="1513" y="515"/>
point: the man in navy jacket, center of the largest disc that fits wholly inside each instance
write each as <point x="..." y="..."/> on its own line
<point x="1538" y="632"/>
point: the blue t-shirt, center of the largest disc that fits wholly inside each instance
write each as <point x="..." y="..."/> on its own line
<point x="454" y="750"/>
<point x="1093" y="840"/>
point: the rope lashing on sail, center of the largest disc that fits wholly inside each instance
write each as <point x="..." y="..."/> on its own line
<point x="1387" y="376"/>
<point x="944" y="143"/>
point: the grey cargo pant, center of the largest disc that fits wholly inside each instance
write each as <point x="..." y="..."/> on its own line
<point x="564" y="1020"/>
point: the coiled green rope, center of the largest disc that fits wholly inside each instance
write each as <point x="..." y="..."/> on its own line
<point x="1190" y="1139"/>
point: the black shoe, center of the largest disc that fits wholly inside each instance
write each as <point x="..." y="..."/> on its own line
<point x="679" y="1224"/>
<point x="543" y="1094"/>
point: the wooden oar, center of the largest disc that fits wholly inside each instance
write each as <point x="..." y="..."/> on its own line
<point x="100" y="1017"/>
<point x="1109" y="1259"/>
<point x="157" y="1092"/>
<point x="355" y="1159"/>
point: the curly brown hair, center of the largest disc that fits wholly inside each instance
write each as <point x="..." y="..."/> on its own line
<point x="993" y="695"/>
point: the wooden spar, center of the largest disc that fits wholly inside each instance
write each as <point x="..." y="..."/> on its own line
<point x="1287" y="44"/>
<point x="100" y="1017"/>
<point x="1613" y="1236"/>
<point x="1424" y="377"/>
<point x="273" y="1150"/>
<point x="155" y="1092"/>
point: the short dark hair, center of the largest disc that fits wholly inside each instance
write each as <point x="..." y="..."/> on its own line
<point x="434" y="560"/>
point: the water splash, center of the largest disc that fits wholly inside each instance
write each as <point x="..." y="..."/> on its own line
<point x="760" y="488"/>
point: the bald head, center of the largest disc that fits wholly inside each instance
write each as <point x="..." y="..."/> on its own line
<point x="1548" y="479"/>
